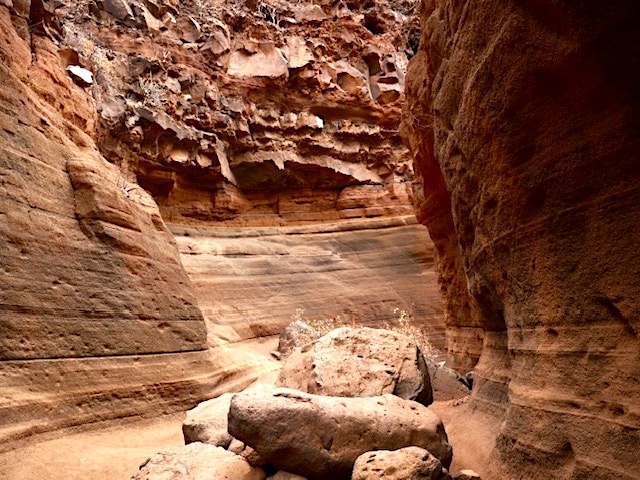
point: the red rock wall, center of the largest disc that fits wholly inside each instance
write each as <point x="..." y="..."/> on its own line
<point x="96" y="319"/>
<point x="523" y="119"/>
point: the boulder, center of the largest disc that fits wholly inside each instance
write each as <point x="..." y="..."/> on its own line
<point x="207" y="423"/>
<point x="410" y="463"/>
<point x="197" y="461"/>
<point x="296" y="334"/>
<point x="362" y="362"/>
<point x="320" y="437"/>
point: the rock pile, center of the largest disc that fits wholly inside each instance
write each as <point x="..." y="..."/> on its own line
<point x="340" y="433"/>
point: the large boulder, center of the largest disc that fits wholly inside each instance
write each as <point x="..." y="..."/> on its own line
<point x="207" y="423"/>
<point x="197" y="461"/>
<point x="362" y="362"/>
<point x="410" y="463"/>
<point x="320" y="437"/>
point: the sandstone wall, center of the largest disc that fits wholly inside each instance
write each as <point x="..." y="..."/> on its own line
<point x="523" y="119"/>
<point x="251" y="281"/>
<point x="96" y="319"/>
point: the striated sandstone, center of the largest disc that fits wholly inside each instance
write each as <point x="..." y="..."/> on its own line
<point x="523" y="119"/>
<point x="243" y="119"/>
<point x="96" y="315"/>
<point x="250" y="281"/>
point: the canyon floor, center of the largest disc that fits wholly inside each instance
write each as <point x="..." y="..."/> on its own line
<point x="115" y="452"/>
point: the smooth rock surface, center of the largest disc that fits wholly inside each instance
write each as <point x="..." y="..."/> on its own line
<point x="445" y="382"/>
<point x="197" y="461"/>
<point x="336" y="430"/>
<point x="359" y="362"/>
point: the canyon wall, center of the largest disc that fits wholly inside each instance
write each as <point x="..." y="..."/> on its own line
<point x="524" y="121"/>
<point x="97" y="318"/>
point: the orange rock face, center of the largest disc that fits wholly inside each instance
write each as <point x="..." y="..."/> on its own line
<point x="523" y="119"/>
<point x="97" y="319"/>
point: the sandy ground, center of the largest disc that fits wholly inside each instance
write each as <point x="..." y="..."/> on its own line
<point x="471" y="435"/>
<point x="112" y="453"/>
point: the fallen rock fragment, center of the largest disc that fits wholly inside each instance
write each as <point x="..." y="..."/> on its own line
<point x="296" y="334"/>
<point x="80" y="75"/>
<point x="362" y="362"/>
<point x="445" y="382"/>
<point x="320" y="437"/>
<point x="197" y="461"/>
<point x="207" y="423"/>
<point x="120" y="9"/>
<point x="410" y="463"/>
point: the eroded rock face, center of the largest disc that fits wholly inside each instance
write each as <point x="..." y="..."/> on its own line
<point x="336" y="430"/>
<point x="523" y="130"/>
<point x="97" y="318"/>
<point x="258" y="113"/>
<point x="359" y="362"/>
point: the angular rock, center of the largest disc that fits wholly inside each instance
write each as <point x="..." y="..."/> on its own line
<point x="445" y="382"/>
<point x="409" y="463"/>
<point x="361" y="362"/>
<point x="320" y="437"/>
<point x="265" y="61"/>
<point x="197" y="461"/>
<point x="207" y="423"/>
<point x="295" y="335"/>
<point x="120" y="9"/>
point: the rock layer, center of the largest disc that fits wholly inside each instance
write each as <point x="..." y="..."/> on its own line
<point x="250" y="281"/>
<point x="94" y="297"/>
<point x="523" y="119"/>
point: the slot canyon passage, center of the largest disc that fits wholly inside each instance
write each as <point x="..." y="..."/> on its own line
<point x="179" y="181"/>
